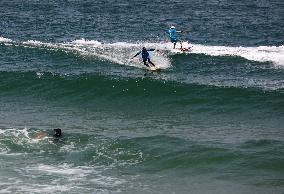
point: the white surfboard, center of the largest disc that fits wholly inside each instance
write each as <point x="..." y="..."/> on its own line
<point x="154" y="68"/>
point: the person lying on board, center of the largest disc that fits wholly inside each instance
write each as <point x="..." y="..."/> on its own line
<point x="145" y="56"/>
<point x="56" y="134"/>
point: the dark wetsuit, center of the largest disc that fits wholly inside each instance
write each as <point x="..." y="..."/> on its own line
<point x="145" y="56"/>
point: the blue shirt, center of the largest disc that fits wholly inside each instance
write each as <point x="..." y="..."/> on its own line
<point x="172" y="33"/>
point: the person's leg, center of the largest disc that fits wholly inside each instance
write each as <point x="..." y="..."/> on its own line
<point x="173" y="40"/>
<point x="151" y="62"/>
<point x="144" y="61"/>
<point x="180" y="44"/>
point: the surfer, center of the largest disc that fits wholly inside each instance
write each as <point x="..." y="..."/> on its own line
<point x="172" y="35"/>
<point x="145" y="56"/>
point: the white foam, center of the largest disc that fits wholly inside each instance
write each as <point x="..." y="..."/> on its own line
<point x="2" y="39"/>
<point x="62" y="169"/>
<point x="39" y="74"/>
<point x="35" y="43"/>
<point x="272" y="54"/>
<point x="69" y="174"/>
<point x="45" y="188"/>
<point x="11" y="134"/>
<point x="86" y="42"/>
<point x="20" y="187"/>
<point x="20" y="136"/>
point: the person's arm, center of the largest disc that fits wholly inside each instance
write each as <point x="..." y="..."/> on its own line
<point x="152" y="50"/>
<point x="136" y="54"/>
<point x="167" y="32"/>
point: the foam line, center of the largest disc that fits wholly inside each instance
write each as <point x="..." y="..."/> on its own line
<point x="120" y="52"/>
<point x="5" y="40"/>
<point x="272" y="54"/>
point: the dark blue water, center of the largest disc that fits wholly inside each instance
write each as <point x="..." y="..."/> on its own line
<point x="210" y="121"/>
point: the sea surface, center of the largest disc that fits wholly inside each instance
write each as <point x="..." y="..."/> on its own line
<point x="210" y="122"/>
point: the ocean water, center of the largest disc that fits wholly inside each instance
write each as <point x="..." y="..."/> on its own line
<point x="210" y="122"/>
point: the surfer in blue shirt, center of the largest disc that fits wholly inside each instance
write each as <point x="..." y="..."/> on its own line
<point x="172" y="35"/>
<point x="145" y="56"/>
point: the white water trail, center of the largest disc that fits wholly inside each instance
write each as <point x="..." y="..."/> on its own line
<point x="274" y="54"/>
<point x="121" y="52"/>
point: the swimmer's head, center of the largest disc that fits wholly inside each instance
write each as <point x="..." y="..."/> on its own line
<point x="57" y="132"/>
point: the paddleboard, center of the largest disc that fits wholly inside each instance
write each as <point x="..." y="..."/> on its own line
<point x="184" y="48"/>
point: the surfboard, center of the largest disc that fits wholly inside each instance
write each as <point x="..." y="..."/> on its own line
<point x="154" y="68"/>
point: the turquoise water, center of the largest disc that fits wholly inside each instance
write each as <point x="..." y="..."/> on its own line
<point x="211" y="121"/>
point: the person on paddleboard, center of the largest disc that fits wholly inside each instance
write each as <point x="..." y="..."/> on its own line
<point x="172" y="35"/>
<point x="145" y="56"/>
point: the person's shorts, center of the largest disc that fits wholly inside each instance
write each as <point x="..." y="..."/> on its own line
<point x="173" y="40"/>
<point x="146" y="59"/>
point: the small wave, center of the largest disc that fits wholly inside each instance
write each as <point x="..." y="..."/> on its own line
<point x="120" y="52"/>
